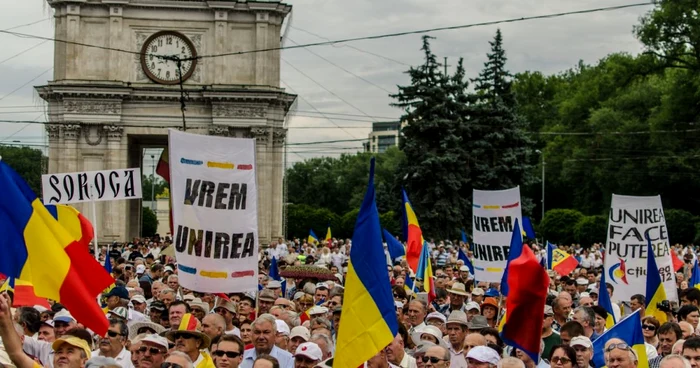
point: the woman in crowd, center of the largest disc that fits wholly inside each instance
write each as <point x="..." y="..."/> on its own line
<point x="563" y="356"/>
<point x="489" y="309"/>
<point x="649" y="327"/>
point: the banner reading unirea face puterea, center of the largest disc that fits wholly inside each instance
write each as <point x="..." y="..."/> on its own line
<point x="215" y="217"/>
<point x="632" y="220"/>
<point x="493" y="216"/>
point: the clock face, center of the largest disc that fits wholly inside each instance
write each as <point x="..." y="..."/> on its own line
<point x="172" y="45"/>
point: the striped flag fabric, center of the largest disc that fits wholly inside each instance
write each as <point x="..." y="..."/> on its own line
<point x="605" y="302"/>
<point x="516" y="248"/>
<point x="425" y="271"/>
<point x="655" y="292"/>
<point x="628" y="330"/>
<point x="412" y="233"/>
<point x="562" y="262"/>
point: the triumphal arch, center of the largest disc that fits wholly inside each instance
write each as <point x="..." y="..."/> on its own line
<point x="112" y="96"/>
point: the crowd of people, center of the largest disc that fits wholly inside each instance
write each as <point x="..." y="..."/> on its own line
<point x="155" y="322"/>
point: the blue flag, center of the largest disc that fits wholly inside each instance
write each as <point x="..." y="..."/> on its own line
<point x="108" y="264"/>
<point x="516" y="248"/>
<point x="396" y="249"/>
<point x="465" y="259"/>
<point x="465" y="239"/>
<point x="628" y="330"/>
<point x="274" y="273"/>
<point x="528" y="229"/>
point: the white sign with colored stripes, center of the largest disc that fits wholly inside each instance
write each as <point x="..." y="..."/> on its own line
<point x="493" y="216"/>
<point x="215" y="212"/>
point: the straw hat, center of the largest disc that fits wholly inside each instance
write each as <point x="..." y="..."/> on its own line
<point x="190" y="326"/>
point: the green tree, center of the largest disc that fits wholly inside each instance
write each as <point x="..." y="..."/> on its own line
<point x="147" y="182"/>
<point x="681" y="226"/>
<point x="27" y="162"/>
<point x="500" y="146"/>
<point x="590" y="230"/>
<point x="301" y="218"/>
<point x="149" y="222"/>
<point x="558" y="226"/>
<point x="434" y="172"/>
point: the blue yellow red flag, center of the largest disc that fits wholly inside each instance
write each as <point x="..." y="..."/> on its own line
<point x="412" y="233"/>
<point x="313" y="239"/>
<point x="528" y="229"/>
<point x="563" y="263"/>
<point x="528" y="283"/>
<point x="74" y="222"/>
<point x="655" y="292"/>
<point x="37" y="249"/>
<point x="425" y="272"/>
<point x="516" y="248"/>
<point x="329" y="238"/>
<point x="23" y="293"/>
<point x="605" y="302"/>
<point x="369" y="316"/>
<point x="394" y="247"/>
<point x="694" y="281"/>
<point x="628" y="330"/>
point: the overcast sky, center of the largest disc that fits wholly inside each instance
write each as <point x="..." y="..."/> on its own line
<point x="549" y="46"/>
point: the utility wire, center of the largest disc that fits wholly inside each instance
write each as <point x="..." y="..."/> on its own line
<point x="25" y="50"/>
<point x="352" y="39"/>
<point x="30" y="81"/>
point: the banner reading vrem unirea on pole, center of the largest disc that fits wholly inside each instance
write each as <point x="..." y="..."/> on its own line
<point x="632" y="220"/>
<point x="215" y="212"/>
<point x="493" y="215"/>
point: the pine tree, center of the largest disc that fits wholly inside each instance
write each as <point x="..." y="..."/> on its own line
<point x="434" y="171"/>
<point x="500" y="146"/>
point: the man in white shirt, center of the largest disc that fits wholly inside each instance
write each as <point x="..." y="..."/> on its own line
<point x="113" y="344"/>
<point x="396" y="354"/>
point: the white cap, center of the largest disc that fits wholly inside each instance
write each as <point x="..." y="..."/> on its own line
<point x="581" y="281"/>
<point x="168" y="268"/>
<point x="584" y="295"/>
<point x="478" y="291"/>
<point x="321" y="285"/>
<point x="398" y="304"/>
<point x="581" y="341"/>
<point x="63" y="316"/>
<point x="300" y="331"/>
<point x="309" y="350"/>
<point x="274" y="284"/>
<point x="138" y="299"/>
<point x="317" y="309"/>
<point x="484" y="354"/>
<point x="140" y="269"/>
<point x="436" y="315"/>
<point x="157" y="339"/>
<point x="40" y="308"/>
<point x="48" y="322"/>
<point x="282" y="327"/>
<point x="473" y="305"/>
<point x="464" y="269"/>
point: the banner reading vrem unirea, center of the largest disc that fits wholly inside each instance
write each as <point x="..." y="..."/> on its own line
<point x="631" y="221"/>
<point x="215" y="212"/>
<point x="493" y="215"/>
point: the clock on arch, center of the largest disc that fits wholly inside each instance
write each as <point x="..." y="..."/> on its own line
<point x="170" y="44"/>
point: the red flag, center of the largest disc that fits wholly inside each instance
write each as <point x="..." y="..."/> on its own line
<point x="677" y="262"/>
<point x="528" y="284"/>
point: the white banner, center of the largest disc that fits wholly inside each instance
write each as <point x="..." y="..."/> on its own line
<point x="493" y="216"/>
<point x="215" y="212"/>
<point x="105" y="185"/>
<point x="632" y="220"/>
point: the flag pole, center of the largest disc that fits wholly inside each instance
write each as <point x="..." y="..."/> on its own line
<point x="94" y="221"/>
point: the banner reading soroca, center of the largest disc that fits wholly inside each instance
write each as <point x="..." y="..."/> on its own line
<point x="215" y="212"/>
<point x="105" y="185"/>
<point x="493" y="216"/>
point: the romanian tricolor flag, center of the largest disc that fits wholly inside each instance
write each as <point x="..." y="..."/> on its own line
<point x="37" y="249"/>
<point x="411" y="233"/>
<point x="528" y="283"/>
<point x="563" y="263"/>
<point x="23" y="294"/>
<point x="74" y="222"/>
<point x="605" y="302"/>
<point x="369" y="316"/>
<point x="313" y="239"/>
<point x="516" y="249"/>
<point x="655" y="289"/>
<point x="425" y="272"/>
<point x="329" y="238"/>
<point x="628" y="330"/>
<point x="694" y="280"/>
<point x="677" y="263"/>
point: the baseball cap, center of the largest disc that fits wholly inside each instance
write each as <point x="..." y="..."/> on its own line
<point x="157" y="305"/>
<point x="63" y="316"/>
<point x="309" y="350"/>
<point x="48" y="322"/>
<point x="321" y="285"/>
<point x="138" y="299"/>
<point x="119" y="291"/>
<point x="274" y="284"/>
<point x="157" y="339"/>
<point x="484" y="354"/>
<point x="581" y="281"/>
<point x="140" y="269"/>
<point x="73" y="341"/>
<point x="472" y="306"/>
<point x="436" y="315"/>
<point x="282" y="327"/>
<point x="300" y="331"/>
<point x="581" y="341"/>
<point x="478" y="291"/>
